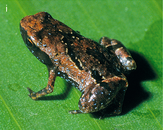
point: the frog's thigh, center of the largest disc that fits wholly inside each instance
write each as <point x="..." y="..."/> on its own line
<point x="48" y="89"/>
<point x="120" y="50"/>
<point x="114" y="84"/>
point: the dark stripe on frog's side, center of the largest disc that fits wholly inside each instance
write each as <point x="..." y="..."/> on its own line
<point x="68" y="39"/>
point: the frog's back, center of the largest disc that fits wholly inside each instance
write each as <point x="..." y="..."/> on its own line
<point x="90" y="56"/>
<point x="58" y="40"/>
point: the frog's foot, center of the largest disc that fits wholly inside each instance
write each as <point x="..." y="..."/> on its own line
<point x="75" y="111"/>
<point x="43" y="92"/>
<point x="48" y="89"/>
<point x="32" y="94"/>
<point x="121" y="52"/>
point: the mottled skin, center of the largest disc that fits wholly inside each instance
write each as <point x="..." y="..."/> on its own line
<point x="96" y="70"/>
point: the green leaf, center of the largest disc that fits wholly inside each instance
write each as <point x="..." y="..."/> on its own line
<point x="136" y="23"/>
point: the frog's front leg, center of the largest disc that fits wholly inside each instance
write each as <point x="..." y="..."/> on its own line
<point x="48" y="89"/>
<point x="96" y="97"/>
<point x="120" y="51"/>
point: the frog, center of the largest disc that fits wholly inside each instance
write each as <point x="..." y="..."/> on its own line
<point x="97" y="69"/>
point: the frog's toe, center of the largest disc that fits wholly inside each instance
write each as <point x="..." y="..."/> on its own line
<point x="117" y="111"/>
<point x="75" y="111"/>
<point x="32" y="94"/>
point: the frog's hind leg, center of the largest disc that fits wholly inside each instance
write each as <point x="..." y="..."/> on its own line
<point x="115" y="107"/>
<point x="48" y="89"/>
<point x="118" y="101"/>
<point x="120" y="51"/>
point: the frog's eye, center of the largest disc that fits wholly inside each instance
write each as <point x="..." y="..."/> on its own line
<point x="29" y="42"/>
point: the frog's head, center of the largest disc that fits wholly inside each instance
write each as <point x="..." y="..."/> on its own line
<point x="29" y="28"/>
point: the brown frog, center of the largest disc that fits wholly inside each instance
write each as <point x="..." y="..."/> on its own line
<point x="97" y="70"/>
